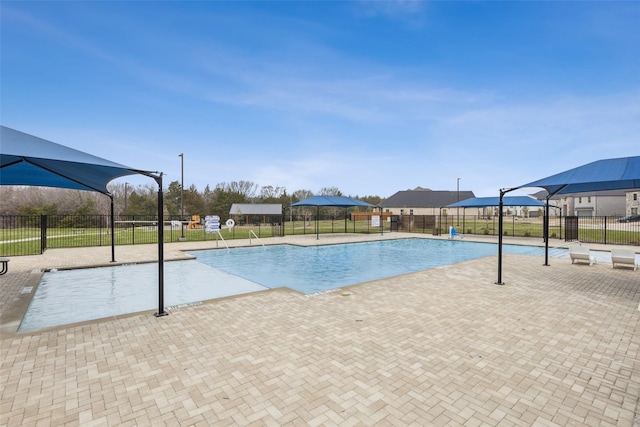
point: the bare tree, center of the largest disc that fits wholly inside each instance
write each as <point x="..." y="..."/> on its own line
<point x="302" y="194"/>
<point x="246" y="188"/>
<point x="330" y="191"/>
<point x="270" y="193"/>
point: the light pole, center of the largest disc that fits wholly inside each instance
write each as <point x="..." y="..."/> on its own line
<point x="182" y="195"/>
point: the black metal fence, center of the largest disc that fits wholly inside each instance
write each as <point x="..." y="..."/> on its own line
<point x="27" y="235"/>
<point x="605" y="230"/>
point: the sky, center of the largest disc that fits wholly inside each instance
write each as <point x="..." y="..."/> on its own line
<point x="367" y="97"/>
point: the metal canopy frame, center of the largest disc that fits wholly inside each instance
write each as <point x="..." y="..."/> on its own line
<point x="27" y="160"/>
<point x="332" y="201"/>
<point x="609" y="174"/>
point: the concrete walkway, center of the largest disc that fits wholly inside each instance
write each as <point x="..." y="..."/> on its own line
<point x="556" y="345"/>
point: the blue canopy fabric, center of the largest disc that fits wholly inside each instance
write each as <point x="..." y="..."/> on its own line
<point x="28" y="160"/>
<point x="332" y="201"/>
<point x="609" y="174"/>
<point x="32" y="161"/>
<point x="481" y="202"/>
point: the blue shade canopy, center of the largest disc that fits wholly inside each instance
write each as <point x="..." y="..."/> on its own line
<point x="33" y="161"/>
<point x="609" y="174"/>
<point x="481" y="202"/>
<point x="333" y="201"/>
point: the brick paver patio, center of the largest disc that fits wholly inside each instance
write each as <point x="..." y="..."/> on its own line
<point x="556" y="345"/>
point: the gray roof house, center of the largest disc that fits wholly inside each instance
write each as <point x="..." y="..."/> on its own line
<point x="589" y="204"/>
<point x="422" y="201"/>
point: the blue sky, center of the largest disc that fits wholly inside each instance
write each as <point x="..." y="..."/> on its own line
<point x="368" y="97"/>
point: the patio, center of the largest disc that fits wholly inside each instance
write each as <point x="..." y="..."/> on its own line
<point x="555" y="345"/>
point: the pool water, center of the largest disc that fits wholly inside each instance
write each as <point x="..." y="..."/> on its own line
<point x="72" y="296"/>
<point x="318" y="268"/>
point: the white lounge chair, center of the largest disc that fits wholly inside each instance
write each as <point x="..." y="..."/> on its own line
<point x="581" y="253"/>
<point x="623" y="256"/>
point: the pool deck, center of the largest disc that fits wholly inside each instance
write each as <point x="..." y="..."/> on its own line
<point x="554" y="345"/>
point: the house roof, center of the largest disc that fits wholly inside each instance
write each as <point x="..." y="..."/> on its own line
<point x="255" y="209"/>
<point x="425" y="198"/>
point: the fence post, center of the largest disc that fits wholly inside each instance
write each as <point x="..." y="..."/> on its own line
<point x="43" y="233"/>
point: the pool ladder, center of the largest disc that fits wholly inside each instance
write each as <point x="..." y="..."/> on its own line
<point x="223" y="241"/>
<point x="250" y="233"/>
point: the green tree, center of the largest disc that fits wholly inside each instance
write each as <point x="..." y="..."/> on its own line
<point x="172" y="198"/>
<point x="374" y="200"/>
<point x="223" y="201"/>
<point x="209" y="198"/>
<point x="51" y="209"/>
<point x="141" y="205"/>
<point x="194" y="202"/>
<point x="83" y="217"/>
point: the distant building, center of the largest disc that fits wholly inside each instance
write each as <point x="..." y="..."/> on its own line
<point x="247" y="213"/>
<point x="422" y="201"/>
<point x="593" y="203"/>
<point x="633" y="202"/>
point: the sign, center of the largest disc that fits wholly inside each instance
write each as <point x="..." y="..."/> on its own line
<point x="375" y="220"/>
<point x="212" y="224"/>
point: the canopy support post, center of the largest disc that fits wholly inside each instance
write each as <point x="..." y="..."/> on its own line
<point x="501" y="205"/>
<point x="546" y="232"/>
<point x="345" y="220"/>
<point x="546" y="224"/>
<point x="161" y="311"/>
<point x="113" y="233"/>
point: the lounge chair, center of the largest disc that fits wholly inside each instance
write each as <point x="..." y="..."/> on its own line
<point x="581" y="253"/>
<point x="623" y="256"/>
<point x="453" y="233"/>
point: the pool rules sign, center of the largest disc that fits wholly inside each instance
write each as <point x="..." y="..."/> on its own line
<point x="212" y="224"/>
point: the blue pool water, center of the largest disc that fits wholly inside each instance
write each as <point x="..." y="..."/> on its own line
<point x="72" y="296"/>
<point x="318" y="268"/>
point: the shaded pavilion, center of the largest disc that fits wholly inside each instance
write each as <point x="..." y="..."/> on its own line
<point x="483" y="202"/>
<point x="331" y="201"/>
<point x="608" y="174"/>
<point x="26" y="160"/>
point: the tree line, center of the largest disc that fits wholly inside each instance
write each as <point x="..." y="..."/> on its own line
<point x="143" y="199"/>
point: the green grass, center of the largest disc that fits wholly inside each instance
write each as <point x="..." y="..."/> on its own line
<point x="25" y="241"/>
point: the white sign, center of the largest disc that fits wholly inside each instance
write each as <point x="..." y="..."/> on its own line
<point x="211" y="224"/>
<point x="375" y="220"/>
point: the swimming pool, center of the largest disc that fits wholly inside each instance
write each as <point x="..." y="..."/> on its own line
<point x="109" y="291"/>
<point x="317" y="268"/>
